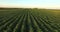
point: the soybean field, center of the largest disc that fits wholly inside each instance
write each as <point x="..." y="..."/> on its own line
<point x="30" y="20"/>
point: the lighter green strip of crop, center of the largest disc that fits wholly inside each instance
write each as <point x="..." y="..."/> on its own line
<point x="17" y="24"/>
<point x="29" y="22"/>
<point x="36" y="25"/>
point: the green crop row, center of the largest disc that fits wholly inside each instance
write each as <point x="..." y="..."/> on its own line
<point x="28" y="20"/>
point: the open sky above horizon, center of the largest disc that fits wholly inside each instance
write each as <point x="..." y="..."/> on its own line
<point x="31" y="3"/>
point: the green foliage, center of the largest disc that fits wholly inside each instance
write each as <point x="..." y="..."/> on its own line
<point x="28" y="20"/>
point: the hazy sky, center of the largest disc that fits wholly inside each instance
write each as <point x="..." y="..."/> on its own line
<point x="31" y="3"/>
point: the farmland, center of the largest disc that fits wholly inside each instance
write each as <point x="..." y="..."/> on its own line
<point x="29" y="20"/>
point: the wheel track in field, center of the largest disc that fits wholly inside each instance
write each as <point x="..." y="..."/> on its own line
<point x="26" y="26"/>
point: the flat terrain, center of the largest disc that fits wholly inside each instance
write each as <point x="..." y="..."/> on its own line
<point x="29" y="20"/>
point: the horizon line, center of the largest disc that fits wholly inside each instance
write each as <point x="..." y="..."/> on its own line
<point x="29" y="7"/>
